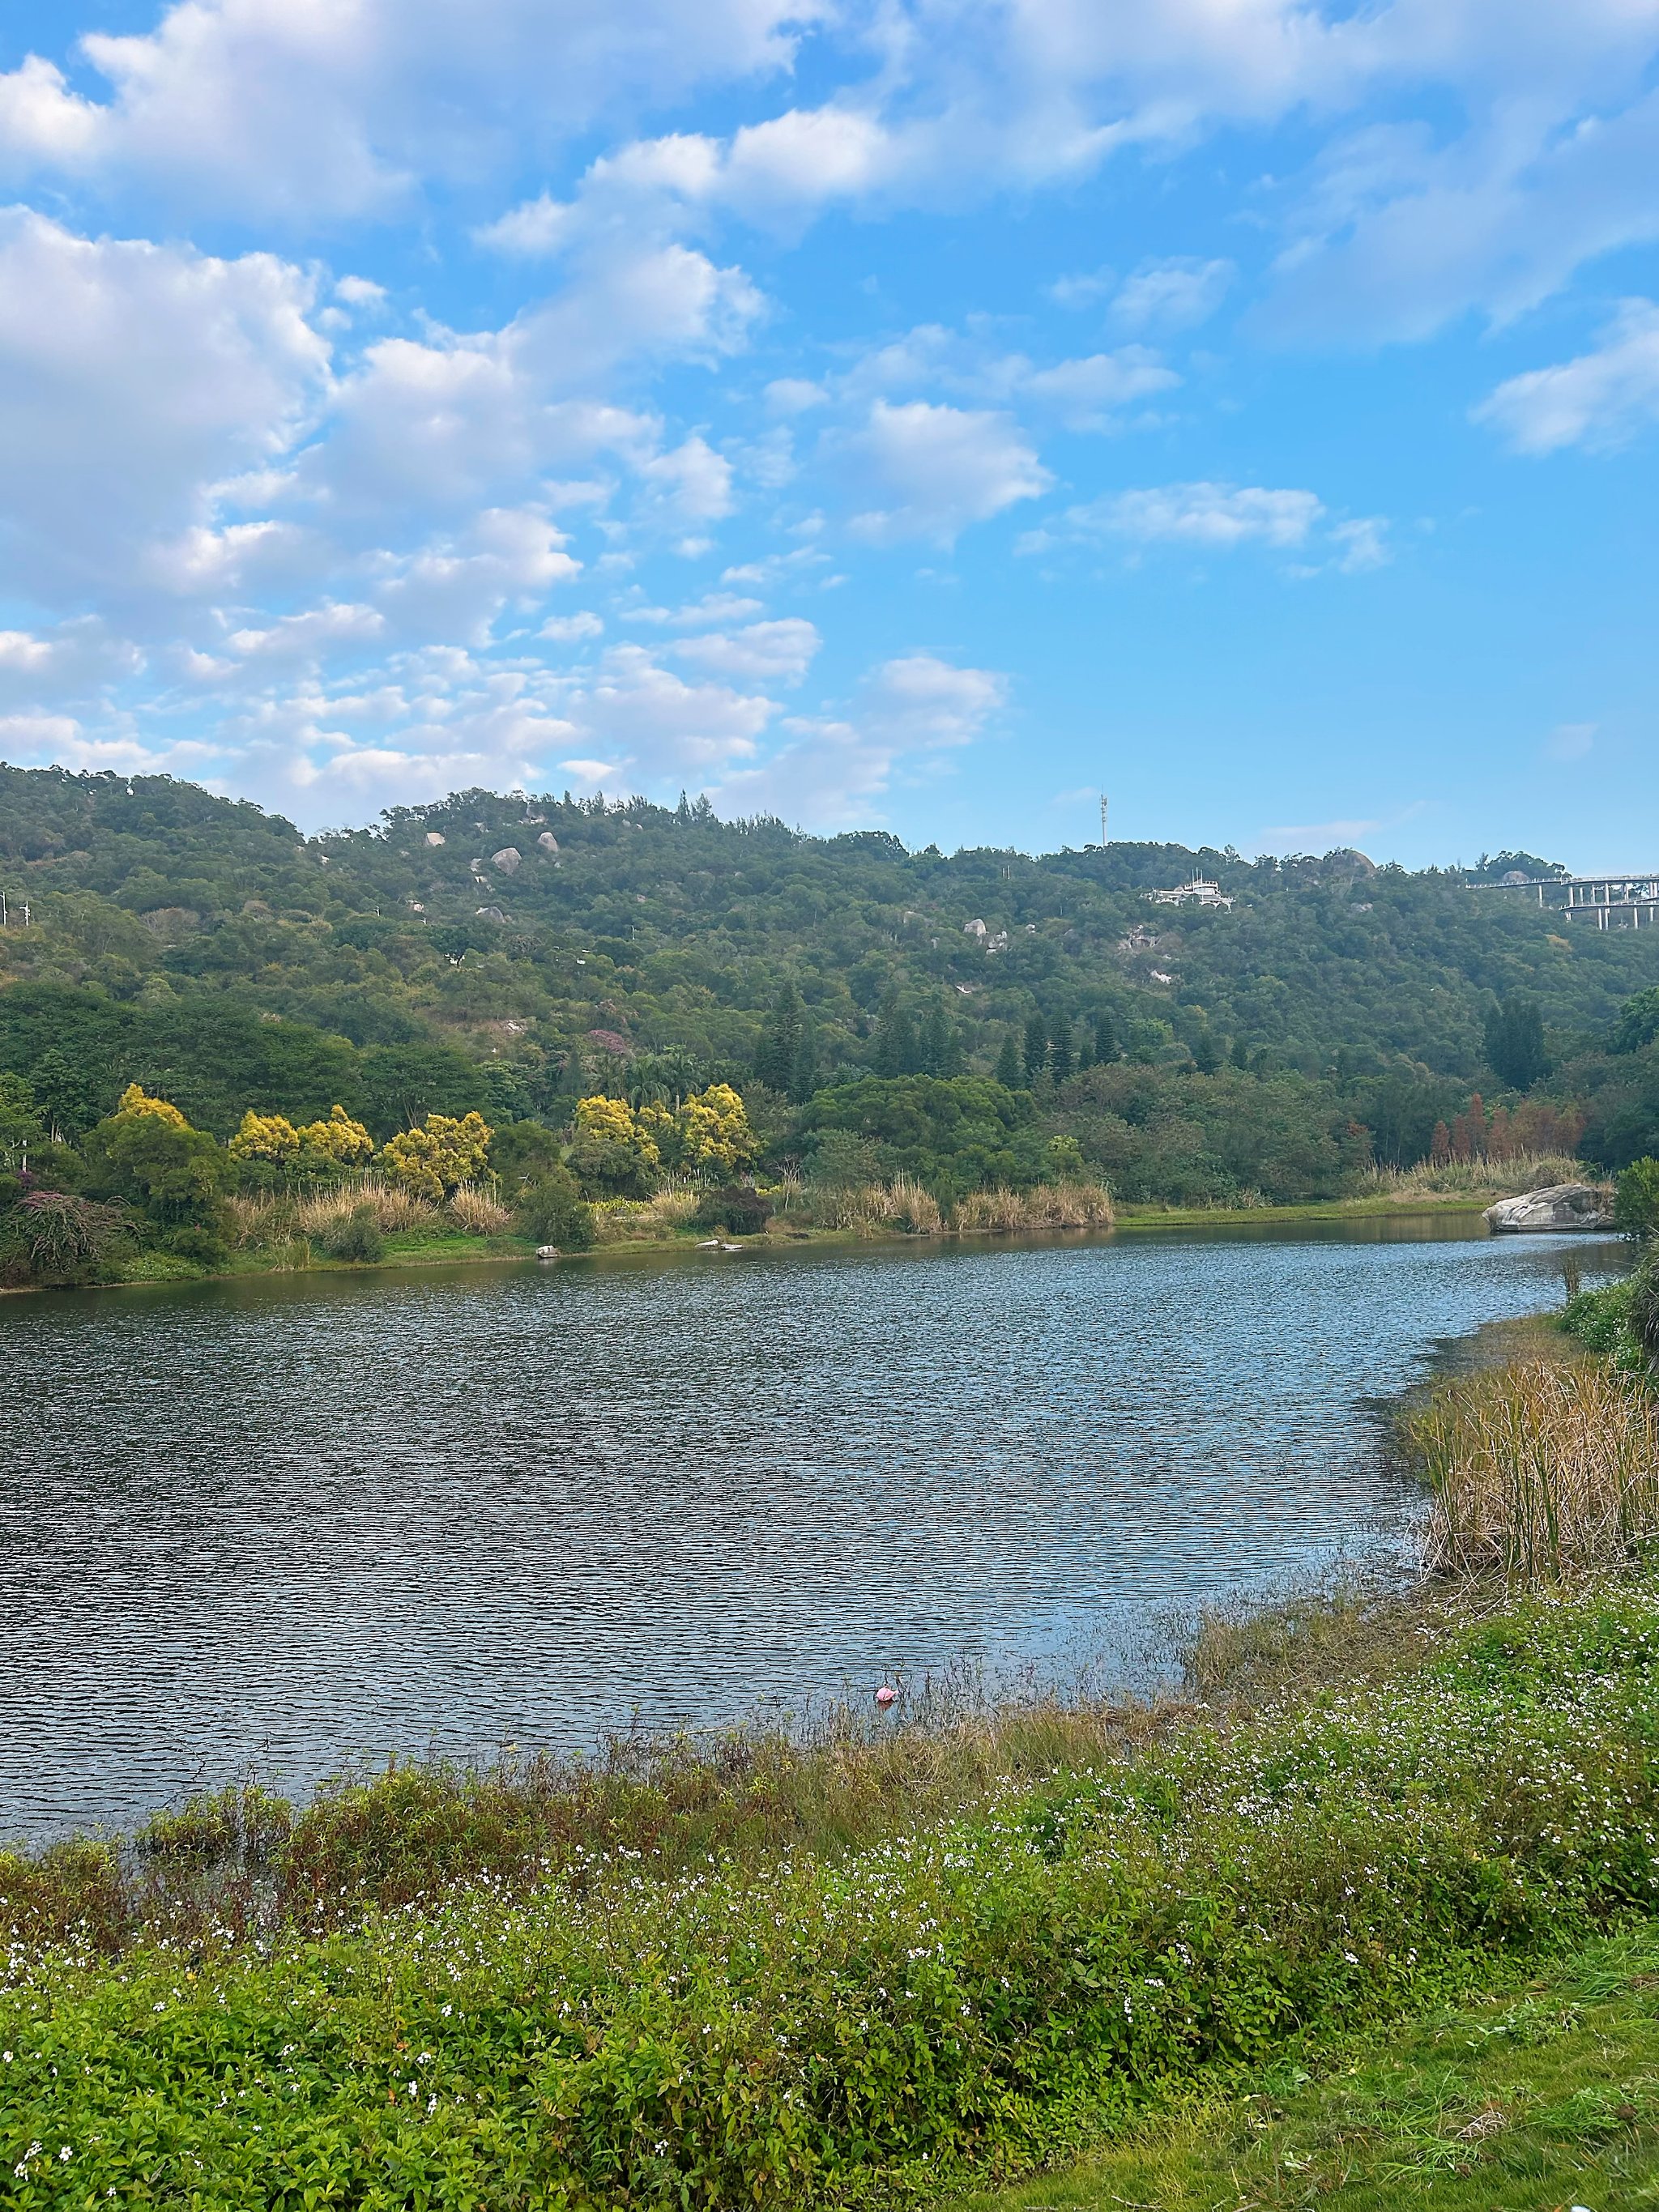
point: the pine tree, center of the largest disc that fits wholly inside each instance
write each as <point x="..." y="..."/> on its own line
<point x="953" y="1059"/>
<point x="1514" y="1042"/>
<point x="895" y="1050"/>
<point x="935" y="1048"/>
<point x="1107" y="1047"/>
<point x="1010" y="1074"/>
<point x="1036" y="1049"/>
<point x="803" y="1077"/>
<point x="779" y="1047"/>
<point x="1060" y="1049"/>
<point x="1206" y="1051"/>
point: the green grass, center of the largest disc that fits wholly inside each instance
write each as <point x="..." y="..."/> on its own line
<point x="1544" y="2096"/>
<point x="450" y="1999"/>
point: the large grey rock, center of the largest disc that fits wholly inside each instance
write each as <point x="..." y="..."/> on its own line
<point x="1563" y="1205"/>
<point x="507" y="860"/>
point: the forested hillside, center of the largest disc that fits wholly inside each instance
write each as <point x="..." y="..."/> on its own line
<point x="511" y="954"/>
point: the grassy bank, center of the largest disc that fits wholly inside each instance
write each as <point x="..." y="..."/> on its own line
<point x="1545" y="2096"/>
<point x="582" y="2020"/>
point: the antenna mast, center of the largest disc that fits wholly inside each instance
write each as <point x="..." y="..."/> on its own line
<point x="1102" y="821"/>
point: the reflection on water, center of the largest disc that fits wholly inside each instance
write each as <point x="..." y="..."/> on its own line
<point x="296" y="1519"/>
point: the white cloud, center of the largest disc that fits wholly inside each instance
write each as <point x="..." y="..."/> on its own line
<point x="68" y="662"/>
<point x="1599" y="399"/>
<point x="1089" y="394"/>
<point x="1205" y="514"/>
<point x="778" y="651"/>
<point x="1172" y="296"/>
<point x="834" y="772"/>
<point x="934" y="470"/>
<point x="285" y="107"/>
<point x="133" y="377"/>
<point x="571" y="630"/>
<point x="1218" y="518"/>
<point x="310" y="636"/>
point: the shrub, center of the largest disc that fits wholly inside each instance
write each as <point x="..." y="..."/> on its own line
<point x="61" y="1238"/>
<point x="1635" y="1204"/>
<point x="741" y="1212"/>
<point x="551" y="1211"/>
<point x="203" y="1246"/>
<point x="434" y="1159"/>
<point x="355" y="1236"/>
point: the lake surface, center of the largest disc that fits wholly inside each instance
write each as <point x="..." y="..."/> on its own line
<point x="292" y="1521"/>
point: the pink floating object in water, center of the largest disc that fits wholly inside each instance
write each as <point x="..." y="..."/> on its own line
<point x="886" y="1695"/>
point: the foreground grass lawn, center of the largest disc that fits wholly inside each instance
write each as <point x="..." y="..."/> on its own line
<point x="1543" y="2099"/>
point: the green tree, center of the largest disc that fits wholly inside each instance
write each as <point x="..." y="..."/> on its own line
<point x="1638" y="1022"/>
<point x="1514" y="1042"/>
<point x="894" y="1052"/>
<point x="781" y="1042"/>
<point x="67" y="1094"/>
<point x="1635" y="1204"/>
<point x="1060" y="1062"/>
<point x="20" y="1125"/>
<point x="1036" y="1048"/>
<point x="1107" y="1044"/>
<point x="804" y="1080"/>
<point x="1206" y="1051"/>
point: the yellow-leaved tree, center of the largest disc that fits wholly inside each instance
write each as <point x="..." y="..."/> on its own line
<point x="613" y="1153"/>
<point x="339" y="1142"/>
<point x="707" y="1134"/>
<point x="433" y="1160"/>
<point x="268" y="1137"/>
<point x="715" y="1137"/>
<point x="135" y="1100"/>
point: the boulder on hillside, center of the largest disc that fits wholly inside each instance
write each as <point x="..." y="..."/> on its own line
<point x="1563" y="1205"/>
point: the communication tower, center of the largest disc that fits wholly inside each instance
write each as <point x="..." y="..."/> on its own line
<point x="1102" y="821"/>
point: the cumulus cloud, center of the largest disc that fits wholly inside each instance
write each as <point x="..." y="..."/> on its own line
<point x="831" y="772"/>
<point x="1219" y="517"/>
<point x="285" y="110"/>
<point x="778" y="651"/>
<point x="933" y="471"/>
<point x="1601" y="398"/>
<point x="133" y="377"/>
<point x="1172" y="296"/>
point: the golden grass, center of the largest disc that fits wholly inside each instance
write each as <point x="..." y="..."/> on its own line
<point x="876" y="1209"/>
<point x="1050" y="1206"/>
<point x="1475" y="1178"/>
<point x="473" y="1209"/>
<point x="393" y="1209"/>
<point x="1535" y="1469"/>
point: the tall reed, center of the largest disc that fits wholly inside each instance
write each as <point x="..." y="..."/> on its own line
<point x="1049" y="1205"/>
<point x="875" y="1208"/>
<point x="393" y="1209"/>
<point x="474" y="1210"/>
<point x="1535" y="1469"/>
<point x="1507" y="1178"/>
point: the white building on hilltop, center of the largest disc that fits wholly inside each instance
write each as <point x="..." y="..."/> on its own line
<point x="1199" y="892"/>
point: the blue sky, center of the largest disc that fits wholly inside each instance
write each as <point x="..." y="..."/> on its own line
<point x="892" y="412"/>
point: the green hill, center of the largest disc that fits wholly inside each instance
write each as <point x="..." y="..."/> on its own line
<point x="508" y="952"/>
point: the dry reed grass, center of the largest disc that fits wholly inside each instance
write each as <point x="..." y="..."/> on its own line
<point x="393" y="1209"/>
<point x="875" y="1209"/>
<point x="1474" y="1178"/>
<point x="1537" y="1469"/>
<point x="473" y="1209"/>
<point x="1050" y="1206"/>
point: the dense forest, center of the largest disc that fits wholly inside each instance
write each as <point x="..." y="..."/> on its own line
<point x="954" y="1017"/>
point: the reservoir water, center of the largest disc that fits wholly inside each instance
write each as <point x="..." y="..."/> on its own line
<point x="285" y="1523"/>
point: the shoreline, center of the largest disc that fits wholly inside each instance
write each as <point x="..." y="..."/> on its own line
<point x="478" y="1251"/>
